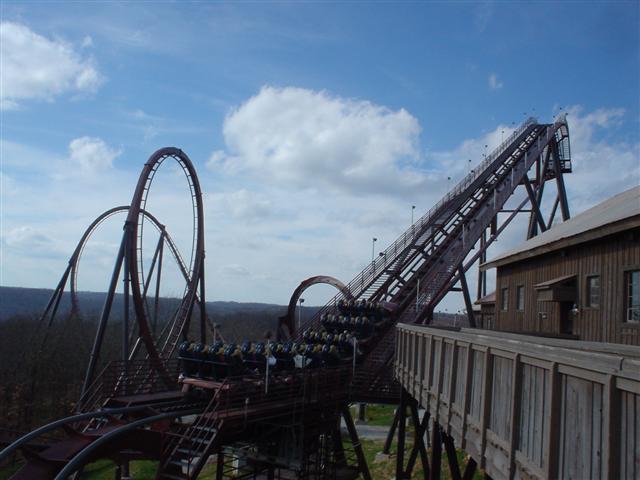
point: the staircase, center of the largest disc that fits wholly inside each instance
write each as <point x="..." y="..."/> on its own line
<point x="190" y="447"/>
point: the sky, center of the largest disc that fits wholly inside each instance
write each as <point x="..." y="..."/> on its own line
<point x="314" y="126"/>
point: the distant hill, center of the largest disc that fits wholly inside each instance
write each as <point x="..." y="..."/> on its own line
<point x="235" y="316"/>
<point x="32" y="301"/>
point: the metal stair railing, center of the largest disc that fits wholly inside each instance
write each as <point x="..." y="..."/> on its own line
<point x="189" y="450"/>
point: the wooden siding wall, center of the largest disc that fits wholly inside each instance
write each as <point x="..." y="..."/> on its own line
<point x="527" y="407"/>
<point x="607" y="257"/>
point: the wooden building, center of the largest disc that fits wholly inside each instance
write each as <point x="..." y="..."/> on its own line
<point x="581" y="278"/>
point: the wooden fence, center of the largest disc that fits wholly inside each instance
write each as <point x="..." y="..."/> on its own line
<point x="528" y="407"/>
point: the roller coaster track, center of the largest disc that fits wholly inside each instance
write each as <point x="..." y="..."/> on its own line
<point x="410" y="277"/>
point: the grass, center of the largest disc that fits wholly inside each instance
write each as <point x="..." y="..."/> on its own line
<point x="379" y="415"/>
<point x="146" y="469"/>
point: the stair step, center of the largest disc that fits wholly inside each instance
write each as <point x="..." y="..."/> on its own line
<point x="206" y="429"/>
<point x="188" y="453"/>
<point x="172" y="477"/>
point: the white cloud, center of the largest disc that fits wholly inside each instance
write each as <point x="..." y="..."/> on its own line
<point x="29" y="240"/>
<point x="92" y="154"/>
<point x="494" y="83"/>
<point x="303" y="138"/>
<point x="601" y="167"/>
<point x="35" y="67"/>
<point x="216" y="159"/>
<point x="87" y="42"/>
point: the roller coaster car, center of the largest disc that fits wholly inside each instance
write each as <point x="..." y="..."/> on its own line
<point x="349" y="331"/>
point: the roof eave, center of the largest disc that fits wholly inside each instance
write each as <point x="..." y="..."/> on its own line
<point x="582" y="237"/>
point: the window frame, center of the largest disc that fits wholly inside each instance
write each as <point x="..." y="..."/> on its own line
<point x="588" y="291"/>
<point x="520" y="288"/>
<point x="504" y="299"/>
<point x="628" y="272"/>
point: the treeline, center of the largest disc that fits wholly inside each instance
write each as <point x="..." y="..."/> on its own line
<point x="42" y="368"/>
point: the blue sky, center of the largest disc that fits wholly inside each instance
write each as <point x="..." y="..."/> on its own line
<point x="314" y="126"/>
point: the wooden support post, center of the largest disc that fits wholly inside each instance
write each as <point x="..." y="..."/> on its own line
<point x="452" y="458"/>
<point x="402" y="422"/>
<point x="338" y="448"/>
<point x="361" y="412"/>
<point x="436" y="451"/>
<point x="418" y="444"/>
<point x="470" y="469"/>
<point x="220" y="465"/>
<point x="392" y="431"/>
<point x="355" y="441"/>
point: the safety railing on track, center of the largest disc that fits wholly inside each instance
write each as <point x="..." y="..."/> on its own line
<point x="128" y="378"/>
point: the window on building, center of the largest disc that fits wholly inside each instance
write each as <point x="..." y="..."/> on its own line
<point x="632" y="296"/>
<point x="593" y="291"/>
<point x="504" y="299"/>
<point x="520" y="297"/>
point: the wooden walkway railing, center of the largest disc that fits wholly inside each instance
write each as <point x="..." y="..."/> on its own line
<point x="528" y="407"/>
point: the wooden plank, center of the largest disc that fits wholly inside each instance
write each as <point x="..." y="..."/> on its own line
<point x="552" y="437"/>
<point x="611" y="429"/>
<point x="452" y="383"/>
<point x="466" y="396"/>
<point x="521" y="417"/>
<point x="516" y="382"/>
<point x="487" y="378"/>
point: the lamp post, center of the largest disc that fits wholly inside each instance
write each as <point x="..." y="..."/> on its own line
<point x="373" y="248"/>
<point x="413" y="207"/>
<point x="301" y="301"/>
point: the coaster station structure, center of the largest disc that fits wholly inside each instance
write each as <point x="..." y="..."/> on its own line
<point x="285" y="422"/>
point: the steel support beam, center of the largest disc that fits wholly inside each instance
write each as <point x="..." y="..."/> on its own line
<point x="534" y="204"/>
<point x="436" y="451"/>
<point x="541" y="175"/>
<point x="562" y="191"/>
<point x="452" y="458"/>
<point x="104" y="317"/>
<point x="467" y="297"/>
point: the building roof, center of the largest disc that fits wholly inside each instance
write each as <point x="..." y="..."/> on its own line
<point x="619" y="213"/>
<point x="490" y="298"/>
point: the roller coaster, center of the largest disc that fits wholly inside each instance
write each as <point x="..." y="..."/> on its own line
<point x="275" y="409"/>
